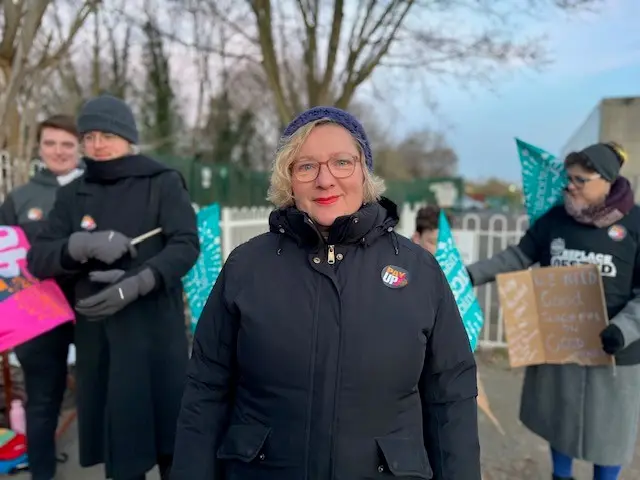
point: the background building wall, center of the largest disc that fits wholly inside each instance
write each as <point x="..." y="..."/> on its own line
<point x="613" y="119"/>
<point x="587" y="134"/>
<point x="620" y="122"/>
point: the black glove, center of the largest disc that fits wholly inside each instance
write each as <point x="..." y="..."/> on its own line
<point x="612" y="339"/>
<point x="107" y="246"/>
<point x="117" y="296"/>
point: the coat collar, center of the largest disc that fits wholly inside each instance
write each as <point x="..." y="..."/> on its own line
<point x="364" y="226"/>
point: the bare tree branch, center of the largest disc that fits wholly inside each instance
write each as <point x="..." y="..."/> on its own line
<point x="263" y="14"/>
<point x="342" y="44"/>
<point x="177" y="39"/>
<point x="332" y="53"/>
<point x="77" y="23"/>
<point x="27" y="50"/>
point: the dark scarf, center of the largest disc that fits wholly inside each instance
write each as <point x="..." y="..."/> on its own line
<point x="110" y="171"/>
<point x="616" y="205"/>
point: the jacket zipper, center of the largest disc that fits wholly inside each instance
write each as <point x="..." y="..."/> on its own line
<point x="331" y="255"/>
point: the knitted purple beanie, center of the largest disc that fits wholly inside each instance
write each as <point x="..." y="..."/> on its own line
<point x="342" y="118"/>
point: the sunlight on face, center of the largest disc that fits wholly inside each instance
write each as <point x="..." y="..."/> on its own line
<point x="103" y="146"/>
<point x="331" y="153"/>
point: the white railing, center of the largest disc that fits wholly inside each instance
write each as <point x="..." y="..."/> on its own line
<point x="479" y="236"/>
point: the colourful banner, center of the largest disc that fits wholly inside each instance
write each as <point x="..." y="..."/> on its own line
<point x="202" y="276"/>
<point x="543" y="180"/>
<point x="450" y="261"/>
<point x="28" y="307"/>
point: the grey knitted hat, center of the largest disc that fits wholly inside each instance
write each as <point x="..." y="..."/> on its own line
<point x="108" y="114"/>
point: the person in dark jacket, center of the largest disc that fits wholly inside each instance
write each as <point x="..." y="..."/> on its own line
<point x="330" y="347"/>
<point x="589" y="413"/>
<point x="132" y="349"/>
<point x="44" y="359"/>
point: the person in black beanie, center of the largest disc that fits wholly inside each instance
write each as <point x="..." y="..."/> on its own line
<point x="130" y="338"/>
<point x="583" y="412"/>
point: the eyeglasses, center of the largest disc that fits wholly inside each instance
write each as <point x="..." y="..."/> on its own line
<point x="580" y="181"/>
<point x="307" y="170"/>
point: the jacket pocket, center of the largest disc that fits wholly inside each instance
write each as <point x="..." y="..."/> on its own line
<point x="244" y="443"/>
<point x="404" y="457"/>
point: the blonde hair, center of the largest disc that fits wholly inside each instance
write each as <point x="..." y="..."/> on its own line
<point x="280" y="192"/>
<point x="619" y="151"/>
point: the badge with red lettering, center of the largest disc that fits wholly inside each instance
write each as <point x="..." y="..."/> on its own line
<point x="394" y="277"/>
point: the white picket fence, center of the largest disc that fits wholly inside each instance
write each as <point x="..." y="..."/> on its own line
<point x="479" y="236"/>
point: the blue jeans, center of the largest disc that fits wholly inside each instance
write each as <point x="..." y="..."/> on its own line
<point x="563" y="468"/>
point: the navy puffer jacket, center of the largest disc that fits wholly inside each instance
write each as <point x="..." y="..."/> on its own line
<point x="336" y="359"/>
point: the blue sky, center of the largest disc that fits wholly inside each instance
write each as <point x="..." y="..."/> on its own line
<point x="595" y="57"/>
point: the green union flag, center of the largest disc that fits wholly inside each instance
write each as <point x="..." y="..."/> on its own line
<point x="543" y="179"/>
<point x="450" y="260"/>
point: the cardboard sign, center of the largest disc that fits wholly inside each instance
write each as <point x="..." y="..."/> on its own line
<point x="28" y="307"/>
<point x="554" y="315"/>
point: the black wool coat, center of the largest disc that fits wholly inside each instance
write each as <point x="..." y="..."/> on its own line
<point x="130" y="366"/>
<point x="343" y="359"/>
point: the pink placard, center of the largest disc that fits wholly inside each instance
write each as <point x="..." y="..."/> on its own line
<point x="28" y="307"/>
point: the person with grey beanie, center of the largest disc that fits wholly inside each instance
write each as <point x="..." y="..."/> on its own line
<point x="130" y="337"/>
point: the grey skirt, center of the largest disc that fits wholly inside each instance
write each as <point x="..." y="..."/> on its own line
<point x="587" y="413"/>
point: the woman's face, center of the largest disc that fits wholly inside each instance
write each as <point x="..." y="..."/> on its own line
<point x="103" y="146"/>
<point x="327" y="178"/>
<point x="585" y="187"/>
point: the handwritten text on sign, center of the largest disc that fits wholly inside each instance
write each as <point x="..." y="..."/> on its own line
<point x="28" y="307"/>
<point x="554" y="315"/>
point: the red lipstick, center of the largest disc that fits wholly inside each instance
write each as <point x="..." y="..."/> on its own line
<point x="327" y="200"/>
